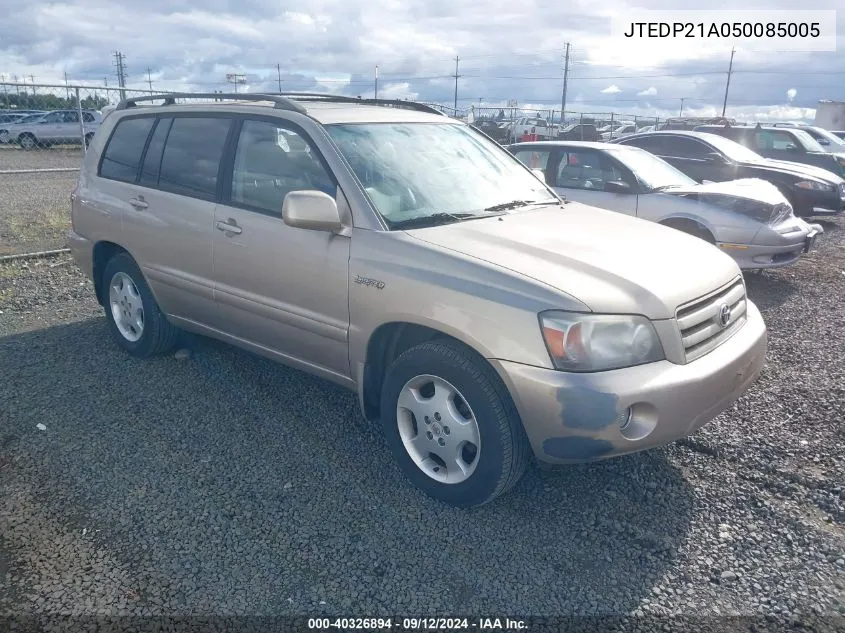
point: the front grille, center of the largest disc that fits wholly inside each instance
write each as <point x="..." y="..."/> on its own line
<point x="700" y="321"/>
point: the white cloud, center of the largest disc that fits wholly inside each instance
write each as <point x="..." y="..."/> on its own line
<point x="791" y="94"/>
<point x="612" y="90"/>
<point x="648" y="92"/>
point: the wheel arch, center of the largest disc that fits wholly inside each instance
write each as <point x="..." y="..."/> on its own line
<point x="384" y="345"/>
<point x="690" y="225"/>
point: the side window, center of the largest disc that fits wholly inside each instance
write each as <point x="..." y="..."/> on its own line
<point x="53" y="117"/>
<point x="773" y="140"/>
<point x="71" y="116"/>
<point x="272" y="161"/>
<point x="87" y="117"/>
<point x="533" y="159"/>
<point x="123" y="152"/>
<point x="152" y="159"/>
<point x="586" y="169"/>
<point x="192" y="155"/>
<point x="681" y="147"/>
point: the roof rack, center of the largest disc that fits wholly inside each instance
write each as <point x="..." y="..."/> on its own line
<point x="281" y="100"/>
<point x="332" y="98"/>
<point x="280" y="103"/>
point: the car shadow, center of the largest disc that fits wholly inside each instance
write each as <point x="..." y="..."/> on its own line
<point x="226" y="475"/>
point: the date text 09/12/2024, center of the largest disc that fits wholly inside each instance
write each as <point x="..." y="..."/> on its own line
<point x="416" y="624"/>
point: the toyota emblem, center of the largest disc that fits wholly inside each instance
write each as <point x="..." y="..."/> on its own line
<point x="724" y="315"/>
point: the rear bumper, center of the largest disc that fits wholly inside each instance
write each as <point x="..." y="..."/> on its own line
<point x="576" y="417"/>
<point x="82" y="251"/>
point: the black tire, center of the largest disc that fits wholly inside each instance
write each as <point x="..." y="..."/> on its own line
<point x="691" y="228"/>
<point x="158" y="335"/>
<point x="504" y="451"/>
<point x="27" y="141"/>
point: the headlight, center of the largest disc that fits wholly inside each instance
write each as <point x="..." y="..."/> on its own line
<point x="814" y="185"/>
<point x="597" y="342"/>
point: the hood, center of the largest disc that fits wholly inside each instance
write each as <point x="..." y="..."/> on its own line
<point x="798" y="169"/>
<point x="746" y="188"/>
<point x="610" y="262"/>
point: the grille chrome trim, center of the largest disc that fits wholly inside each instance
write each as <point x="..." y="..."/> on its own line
<point x="698" y="321"/>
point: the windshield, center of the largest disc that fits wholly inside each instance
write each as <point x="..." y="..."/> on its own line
<point x="810" y="144"/>
<point x="836" y="143"/>
<point x="651" y="171"/>
<point x="438" y="171"/>
<point x="732" y="149"/>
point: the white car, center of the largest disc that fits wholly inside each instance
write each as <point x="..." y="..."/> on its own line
<point x="57" y="127"/>
<point x="749" y="219"/>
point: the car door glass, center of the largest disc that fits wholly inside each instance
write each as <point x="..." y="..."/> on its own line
<point x="586" y="169"/>
<point x="773" y="140"/>
<point x="270" y="162"/>
<point x="192" y="156"/>
<point x="87" y="117"/>
<point x="71" y="117"/>
<point x="55" y="117"/>
<point x="124" y="149"/>
<point x="152" y="159"/>
<point x="533" y="159"/>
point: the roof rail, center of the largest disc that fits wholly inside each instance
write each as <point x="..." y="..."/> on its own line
<point x="332" y="98"/>
<point x="280" y="102"/>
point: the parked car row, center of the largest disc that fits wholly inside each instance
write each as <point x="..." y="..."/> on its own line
<point x="558" y="301"/>
<point x="42" y="129"/>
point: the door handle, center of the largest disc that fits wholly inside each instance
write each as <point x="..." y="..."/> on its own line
<point x="139" y="202"/>
<point x="229" y="226"/>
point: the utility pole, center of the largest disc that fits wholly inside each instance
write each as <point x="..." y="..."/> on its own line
<point x="120" y="70"/>
<point x="375" y="91"/>
<point x="67" y="88"/>
<point x="32" y="81"/>
<point x="456" y="75"/>
<point x="149" y="78"/>
<point x="279" y="75"/>
<point x="565" y="81"/>
<point x="681" y="113"/>
<point x="728" y="84"/>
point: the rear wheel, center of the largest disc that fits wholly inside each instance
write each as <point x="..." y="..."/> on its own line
<point x="451" y="424"/>
<point x="136" y="321"/>
<point x="27" y="141"/>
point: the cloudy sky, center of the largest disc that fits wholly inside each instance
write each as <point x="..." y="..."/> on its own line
<point x="508" y="49"/>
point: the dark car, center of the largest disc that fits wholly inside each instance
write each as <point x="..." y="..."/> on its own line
<point x="782" y="143"/>
<point x="580" y="132"/>
<point x="702" y="156"/>
<point x="492" y="129"/>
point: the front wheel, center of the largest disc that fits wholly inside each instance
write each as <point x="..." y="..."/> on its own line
<point x="137" y="323"/>
<point x="451" y="424"/>
<point x="27" y="141"/>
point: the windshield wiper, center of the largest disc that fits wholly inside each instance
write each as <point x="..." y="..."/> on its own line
<point x="514" y="204"/>
<point x="434" y="219"/>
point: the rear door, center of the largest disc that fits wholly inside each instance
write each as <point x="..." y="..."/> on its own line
<point x="48" y="129"/>
<point x="581" y="174"/>
<point x="281" y="288"/>
<point x="169" y="213"/>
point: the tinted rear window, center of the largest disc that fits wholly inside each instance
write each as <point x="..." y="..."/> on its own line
<point x="123" y="153"/>
<point x="152" y="160"/>
<point x="192" y="156"/>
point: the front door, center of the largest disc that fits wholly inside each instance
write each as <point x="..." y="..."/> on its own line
<point x="581" y="175"/>
<point x="282" y="288"/>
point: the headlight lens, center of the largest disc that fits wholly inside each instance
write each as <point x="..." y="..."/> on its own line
<point x="814" y="185"/>
<point x="597" y="342"/>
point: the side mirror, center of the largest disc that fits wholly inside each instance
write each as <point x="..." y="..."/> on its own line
<point x="792" y="148"/>
<point x="617" y="186"/>
<point x="540" y="174"/>
<point x="311" y="209"/>
<point x="717" y="159"/>
<point x="823" y="141"/>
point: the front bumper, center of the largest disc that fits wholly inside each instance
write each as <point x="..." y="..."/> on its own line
<point x="757" y="256"/>
<point x="572" y="417"/>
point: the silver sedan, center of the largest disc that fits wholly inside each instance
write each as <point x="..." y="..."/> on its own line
<point x="749" y="219"/>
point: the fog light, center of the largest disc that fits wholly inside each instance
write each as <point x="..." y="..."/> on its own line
<point x="624" y="419"/>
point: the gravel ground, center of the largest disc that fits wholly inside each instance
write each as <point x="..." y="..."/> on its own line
<point x="13" y="157"/>
<point x="213" y="482"/>
<point x="34" y="211"/>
